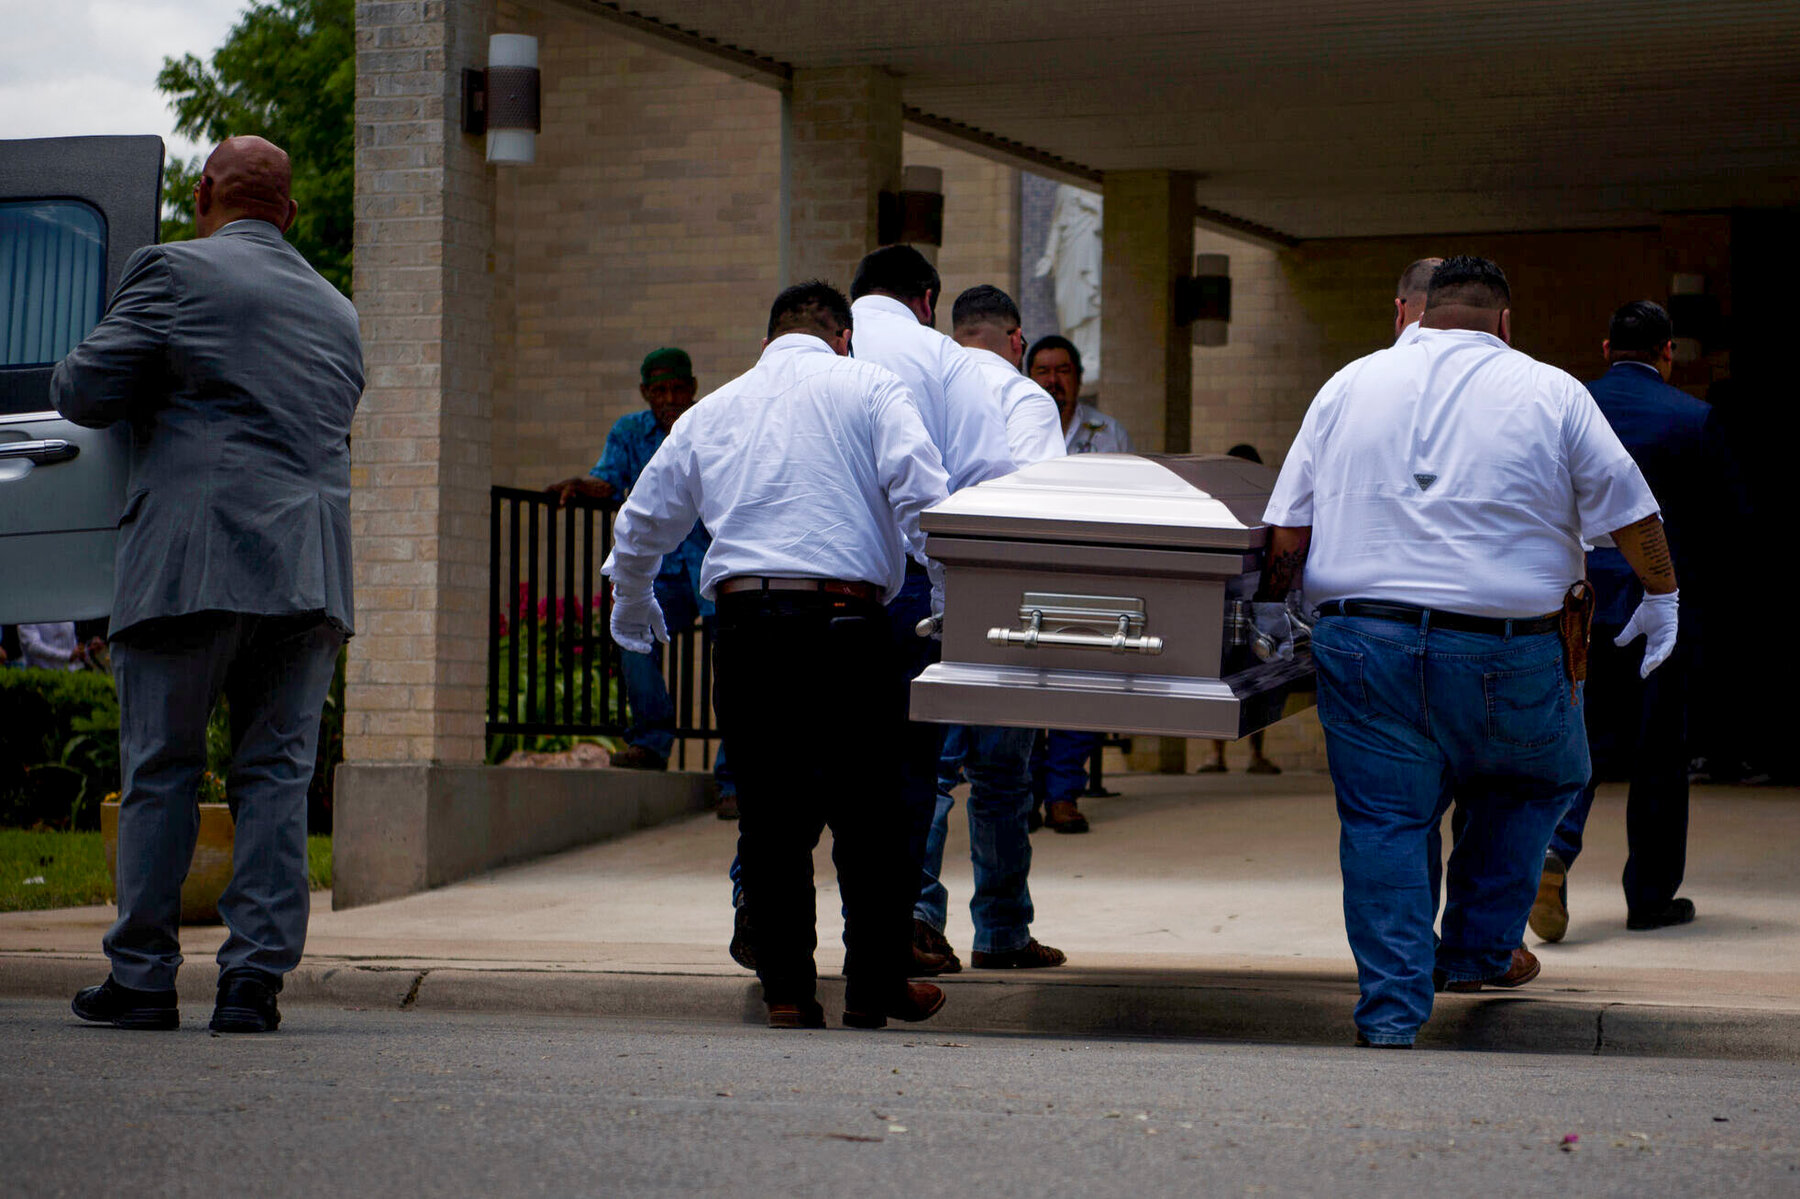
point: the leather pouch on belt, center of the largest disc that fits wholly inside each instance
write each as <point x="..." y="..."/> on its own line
<point x="1576" y="625"/>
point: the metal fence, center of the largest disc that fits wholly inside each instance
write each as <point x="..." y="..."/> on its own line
<point x="552" y="668"/>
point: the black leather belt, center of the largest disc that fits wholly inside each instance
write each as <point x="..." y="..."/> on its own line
<point x="1433" y="618"/>
<point x="855" y="590"/>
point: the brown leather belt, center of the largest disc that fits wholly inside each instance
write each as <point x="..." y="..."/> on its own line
<point x="856" y="590"/>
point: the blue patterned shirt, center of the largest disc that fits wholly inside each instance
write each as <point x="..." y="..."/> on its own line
<point x="629" y="448"/>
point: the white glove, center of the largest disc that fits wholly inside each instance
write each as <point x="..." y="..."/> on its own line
<point x="1655" y="621"/>
<point x="637" y="624"/>
<point x="1271" y="620"/>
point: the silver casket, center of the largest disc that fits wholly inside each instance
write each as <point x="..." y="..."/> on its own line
<point x="1108" y="592"/>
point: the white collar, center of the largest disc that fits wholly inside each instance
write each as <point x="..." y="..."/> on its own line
<point x="886" y="305"/>
<point x="986" y="353"/>
<point x="797" y="343"/>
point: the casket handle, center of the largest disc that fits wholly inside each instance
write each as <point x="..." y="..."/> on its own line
<point x="1120" y="642"/>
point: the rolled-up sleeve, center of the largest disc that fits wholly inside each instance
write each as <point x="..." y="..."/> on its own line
<point x="122" y="363"/>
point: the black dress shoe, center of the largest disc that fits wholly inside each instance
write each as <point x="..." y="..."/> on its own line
<point x="740" y="950"/>
<point x="1676" y="911"/>
<point x="123" y="1007"/>
<point x="246" y="1002"/>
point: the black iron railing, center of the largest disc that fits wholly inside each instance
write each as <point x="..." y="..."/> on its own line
<point x="552" y="668"/>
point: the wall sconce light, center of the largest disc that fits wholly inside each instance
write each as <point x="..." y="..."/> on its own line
<point x="1204" y="300"/>
<point x="1699" y="321"/>
<point x="914" y="215"/>
<point x="503" y="100"/>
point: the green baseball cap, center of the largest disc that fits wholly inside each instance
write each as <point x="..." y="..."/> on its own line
<point x="665" y="366"/>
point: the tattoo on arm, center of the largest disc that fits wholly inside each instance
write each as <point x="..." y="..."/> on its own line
<point x="1285" y="562"/>
<point x="1646" y="548"/>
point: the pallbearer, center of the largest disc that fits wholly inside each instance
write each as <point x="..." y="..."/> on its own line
<point x="810" y="471"/>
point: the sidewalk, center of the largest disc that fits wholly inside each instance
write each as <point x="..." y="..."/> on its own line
<point x="1198" y="906"/>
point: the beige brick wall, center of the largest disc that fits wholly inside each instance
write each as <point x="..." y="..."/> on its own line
<point x="420" y="452"/>
<point x="981" y="220"/>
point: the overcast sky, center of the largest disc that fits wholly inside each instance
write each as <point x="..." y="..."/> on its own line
<point x="89" y="66"/>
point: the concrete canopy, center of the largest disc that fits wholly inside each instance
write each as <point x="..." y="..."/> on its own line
<point x="1329" y="118"/>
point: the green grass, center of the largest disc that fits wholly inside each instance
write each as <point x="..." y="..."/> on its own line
<point x="74" y="870"/>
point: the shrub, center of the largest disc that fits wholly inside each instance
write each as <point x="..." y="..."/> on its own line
<point x="59" y="747"/>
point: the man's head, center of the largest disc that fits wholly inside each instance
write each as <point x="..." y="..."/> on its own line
<point x="986" y="317"/>
<point x="1054" y="364"/>
<point x="902" y="273"/>
<point x="245" y="178"/>
<point x="814" y="307"/>
<point x="1409" y="293"/>
<point x="1641" y="332"/>
<point x="666" y="381"/>
<point x="1469" y="293"/>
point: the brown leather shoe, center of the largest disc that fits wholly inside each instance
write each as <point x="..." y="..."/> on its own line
<point x="912" y="1002"/>
<point x="1029" y="956"/>
<point x="928" y="940"/>
<point x="1525" y="967"/>
<point x="927" y="965"/>
<point x="727" y="808"/>
<point x="636" y="757"/>
<point x="796" y="1015"/>
<point x="1550" y="911"/>
<point x="1062" y="816"/>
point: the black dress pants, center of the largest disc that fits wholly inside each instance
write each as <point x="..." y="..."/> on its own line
<point x="1637" y="728"/>
<point x="808" y="695"/>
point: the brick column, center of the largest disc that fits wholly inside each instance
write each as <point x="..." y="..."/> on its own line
<point x="421" y="444"/>
<point x="841" y="150"/>
<point x="1146" y="244"/>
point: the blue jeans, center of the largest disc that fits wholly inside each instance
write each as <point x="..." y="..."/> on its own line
<point x="997" y="762"/>
<point x="652" y="724"/>
<point x="1415" y="717"/>
<point x="1060" y="771"/>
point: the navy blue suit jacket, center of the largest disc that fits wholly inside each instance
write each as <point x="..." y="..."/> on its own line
<point x="1677" y="444"/>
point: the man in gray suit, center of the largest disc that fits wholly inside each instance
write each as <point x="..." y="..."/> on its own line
<point x="238" y="369"/>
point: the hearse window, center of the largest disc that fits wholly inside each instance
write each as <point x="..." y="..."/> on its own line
<point x="52" y="276"/>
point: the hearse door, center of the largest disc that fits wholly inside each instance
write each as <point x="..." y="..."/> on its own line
<point x="72" y="211"/>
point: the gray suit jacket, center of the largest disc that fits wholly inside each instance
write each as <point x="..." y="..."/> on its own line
<point x="239" y="369"/>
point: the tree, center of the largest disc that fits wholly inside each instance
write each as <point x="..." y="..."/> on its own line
<point x="287" y="72"/>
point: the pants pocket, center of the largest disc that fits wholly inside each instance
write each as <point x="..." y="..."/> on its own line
<point x="1343" y="698"/>
<point x="1529" y="708"/>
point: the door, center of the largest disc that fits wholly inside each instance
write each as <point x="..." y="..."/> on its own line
<point x="72" y="211"/>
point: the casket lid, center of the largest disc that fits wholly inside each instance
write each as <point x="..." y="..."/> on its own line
<point x="1196" y="501"/>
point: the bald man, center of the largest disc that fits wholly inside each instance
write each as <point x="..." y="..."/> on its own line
<point x="1409" y="298"/>
<point x="238" y="369"/>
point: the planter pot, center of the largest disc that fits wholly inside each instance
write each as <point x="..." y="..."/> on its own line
<point x="211" y="868"/>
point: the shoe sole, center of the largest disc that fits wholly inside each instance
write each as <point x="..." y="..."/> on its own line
<point x="794" y="1020"/>
<point x="1018" y="965"/>
<point x="1550" y="913"/>
<point x="156" y="1021"/>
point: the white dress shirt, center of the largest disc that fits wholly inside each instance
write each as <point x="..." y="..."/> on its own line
<point x="1454" y="472"/>
<point x="1033" y="430"/>
<point x="959" y="409"/>
<point x="1408" y="334"/>
<point x="49" y="646"/>
<point x="807" y="466"/>
<point x="1094" y="432"/>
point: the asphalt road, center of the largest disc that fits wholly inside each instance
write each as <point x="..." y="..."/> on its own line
<point x="419" y="1104"/>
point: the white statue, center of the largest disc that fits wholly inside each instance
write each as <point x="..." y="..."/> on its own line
<point x="1072" y="253"/>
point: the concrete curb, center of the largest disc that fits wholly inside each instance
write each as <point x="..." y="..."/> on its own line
<point x="1071" y="1004"/>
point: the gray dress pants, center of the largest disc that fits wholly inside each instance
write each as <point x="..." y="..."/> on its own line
<point x="275" y="671"/>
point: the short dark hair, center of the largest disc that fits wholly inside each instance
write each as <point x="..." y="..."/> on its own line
<point x="1639" y="328"/>
<point x="984" y="304"/>
<point x="1054" y="341"/>
<point x="1416" y="277"/>
<point x="1246" y="451"/>
<point x="1468" y="280"/>
<point x="901" y="271"/>
<point x="811" y="307"/>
